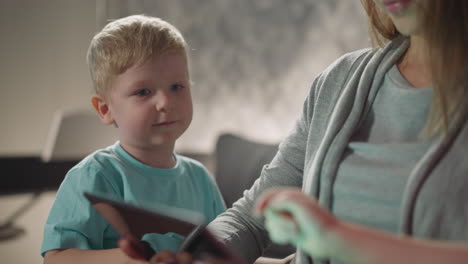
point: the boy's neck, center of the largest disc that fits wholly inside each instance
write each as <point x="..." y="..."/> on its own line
<point x="160" y="157"/>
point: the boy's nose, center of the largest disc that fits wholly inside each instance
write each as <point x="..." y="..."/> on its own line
<point x="163" y="102"/>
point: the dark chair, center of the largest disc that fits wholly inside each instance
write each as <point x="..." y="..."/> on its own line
<point x="239" y="162"/>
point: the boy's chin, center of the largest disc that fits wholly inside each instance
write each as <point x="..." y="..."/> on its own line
<point x="165" y="141"/>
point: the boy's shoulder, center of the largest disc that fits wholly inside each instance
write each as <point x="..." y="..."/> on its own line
<point x="102" y="163"/>
<point x="99" y="158"/>
<point x="192" y="164"/>
<point x="96" y="172"/>
<point x="188" y="161"/>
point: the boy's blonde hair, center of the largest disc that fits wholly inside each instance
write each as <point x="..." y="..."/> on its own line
<point x="446" y="29"/>
<point x="126" y="42"/>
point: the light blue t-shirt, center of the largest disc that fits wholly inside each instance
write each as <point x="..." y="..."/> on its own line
<point x="74" y="223"/>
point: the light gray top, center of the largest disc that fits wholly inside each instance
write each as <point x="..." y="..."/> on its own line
<point x="381" y="154"/>
<point x="434" y="203"/>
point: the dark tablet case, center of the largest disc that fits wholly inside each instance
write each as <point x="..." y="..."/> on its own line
<point x="137" y="221"/>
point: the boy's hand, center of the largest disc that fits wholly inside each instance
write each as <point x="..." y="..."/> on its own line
<point x="169" y="257"/>
<point x="128" y="246"/>
<point x="132" y="248"/>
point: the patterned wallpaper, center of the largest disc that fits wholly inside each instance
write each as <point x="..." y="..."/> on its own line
<point x="253" y="60"/>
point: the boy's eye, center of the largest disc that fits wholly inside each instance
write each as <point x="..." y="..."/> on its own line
<point x="143" y="92"/>
<point x="176" y="87"/>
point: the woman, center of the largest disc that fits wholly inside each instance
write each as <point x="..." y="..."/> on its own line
<point x="378" y="151"/>
<point x="429" y="202"/>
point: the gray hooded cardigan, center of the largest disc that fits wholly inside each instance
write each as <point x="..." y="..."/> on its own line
<point x="435" y="201"/>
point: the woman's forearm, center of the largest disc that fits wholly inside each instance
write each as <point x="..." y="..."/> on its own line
<point x="72" y="255"/>
<point x="367" y="246"/>
<point x="291" y="216"/>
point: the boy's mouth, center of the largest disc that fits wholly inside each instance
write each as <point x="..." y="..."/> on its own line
<point x="165" y="123"/>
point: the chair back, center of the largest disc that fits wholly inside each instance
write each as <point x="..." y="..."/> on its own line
<point x="239" y="162"/>
<point x="74" y="134"/>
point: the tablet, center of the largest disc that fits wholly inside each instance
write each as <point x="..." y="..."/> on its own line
<point x="129" y="219"/>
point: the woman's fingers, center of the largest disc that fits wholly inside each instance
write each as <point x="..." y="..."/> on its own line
<point x="292" y="201"/>
<point x="282" y="228"/>
<point x="263" y="201"/>
<point x="293" y="217"/>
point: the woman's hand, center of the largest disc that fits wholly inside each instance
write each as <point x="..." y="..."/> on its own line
<point x="292" y="217"/>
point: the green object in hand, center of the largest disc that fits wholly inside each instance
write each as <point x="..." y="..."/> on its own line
<point x="299" y="230"/>
<point x="281" y="230"/>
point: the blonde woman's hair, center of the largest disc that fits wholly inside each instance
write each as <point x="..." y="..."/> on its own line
<point x="446" y="29"/>
<point x="126" y="42"/>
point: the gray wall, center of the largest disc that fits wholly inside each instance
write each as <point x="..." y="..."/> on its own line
<point x="252" y="61"/>
<point x="42" y="67"/>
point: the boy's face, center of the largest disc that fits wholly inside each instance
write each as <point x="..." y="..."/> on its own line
<point x="151" y="103"/>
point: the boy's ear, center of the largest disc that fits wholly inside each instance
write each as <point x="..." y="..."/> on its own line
<point x="102" y="108"/>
